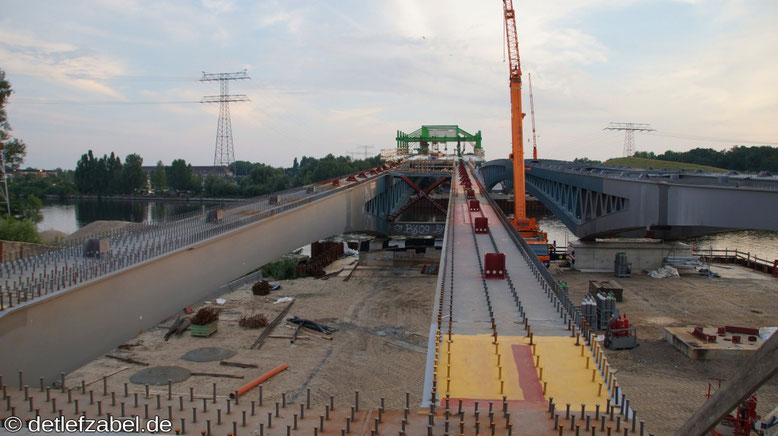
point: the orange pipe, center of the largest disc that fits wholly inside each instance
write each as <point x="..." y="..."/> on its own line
<point x="259" y="380"/>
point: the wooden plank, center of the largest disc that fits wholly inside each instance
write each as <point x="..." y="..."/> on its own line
<point x="216" y="374"/>
<point x="238" y="364"/>
<point x="124" y="368"/>
<point x="126" y="359"/>
<point x="753" y="373"/>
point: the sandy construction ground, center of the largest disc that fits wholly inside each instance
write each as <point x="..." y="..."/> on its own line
<point x="382" y="315"/>
<point x="665" y="387"/>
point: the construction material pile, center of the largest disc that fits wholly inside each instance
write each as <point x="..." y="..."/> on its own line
<point x="261" y="287"/>
<point x="253" y="322"/>
<point x="205" y="316"/>
<point x="322" y="254"/>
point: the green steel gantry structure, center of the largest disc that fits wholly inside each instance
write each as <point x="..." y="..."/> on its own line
<point x="426" y="135"/>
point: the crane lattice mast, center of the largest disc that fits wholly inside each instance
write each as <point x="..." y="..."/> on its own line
<point x="517" y="133"/>
<point x="532" y="116"/>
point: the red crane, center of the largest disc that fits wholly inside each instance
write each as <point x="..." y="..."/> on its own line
<point x="526" y="226"/>
<point x="532" y="116"/>
<point x="517" y="132"/>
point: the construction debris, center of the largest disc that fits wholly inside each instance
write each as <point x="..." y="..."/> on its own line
<point x="288" y="337"/>
<point x="126" y="359"/>
<point x="261" y="287"/>
<point x="322" y="254"/>
<point x="312" y="325"/>
<point x="216" y="374"/>
<point x="238" y="364"/>
<point x="178" y="327"/>
<point x="130" y="345"/>
<point x="253" y="322"/>
<point x="269" y="329"/>
<point x="205" y="316"/>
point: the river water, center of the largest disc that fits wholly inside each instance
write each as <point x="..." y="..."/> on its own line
<point x="69" y="216"/>
<point x="763" y="244"/>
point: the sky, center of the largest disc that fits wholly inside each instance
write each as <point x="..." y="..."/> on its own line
<point x="335" y="76"/>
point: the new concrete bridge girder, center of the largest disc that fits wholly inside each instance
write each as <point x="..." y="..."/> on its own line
<point x="64" y="330"/>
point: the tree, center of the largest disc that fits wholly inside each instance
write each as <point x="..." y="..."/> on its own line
<point x="14" y="150"/>
<point x="114" y="174"/>
<point x="241" y="167"/>
<point x="180" y="175"/>
<point x="219" y="187"/>
<point x="12" y="229"/>
<point x="28" y="209"/>
<point x="86" y="174"/>
<point x="196" y="183"/>
<point x="159" y="178"/>
<point x="133" y="175"/>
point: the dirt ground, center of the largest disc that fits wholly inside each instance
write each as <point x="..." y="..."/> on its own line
<point x="383" y="316"/>
<point x="664" y="386"/>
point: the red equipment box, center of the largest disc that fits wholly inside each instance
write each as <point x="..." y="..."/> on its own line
<point x="481" y="225"/>
<point x="494" y="265"/>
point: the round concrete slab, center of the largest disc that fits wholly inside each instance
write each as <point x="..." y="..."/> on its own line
<point x="159" y="375"/>
<point x="208" y="354"/>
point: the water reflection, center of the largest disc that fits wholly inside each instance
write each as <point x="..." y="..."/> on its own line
<point x="760" y="243"/>
<point x="70" y="215"/>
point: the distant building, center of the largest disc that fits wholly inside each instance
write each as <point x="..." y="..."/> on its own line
<point x="34" y="172"/>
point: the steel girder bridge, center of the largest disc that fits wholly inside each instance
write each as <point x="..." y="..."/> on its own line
<point x="601" y="201"/>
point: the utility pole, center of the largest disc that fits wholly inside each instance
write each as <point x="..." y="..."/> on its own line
<point x="629" y="134"/>
<point x="224" y="154"/>
<point x="4" y="192"/>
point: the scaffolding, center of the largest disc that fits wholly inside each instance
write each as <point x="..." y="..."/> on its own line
<point x="430" y="137"/>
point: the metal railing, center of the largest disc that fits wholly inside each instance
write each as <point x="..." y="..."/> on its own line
<point x="26" y="279"/>
<point x="561" y="300"/>
<point x="725" y="255"/>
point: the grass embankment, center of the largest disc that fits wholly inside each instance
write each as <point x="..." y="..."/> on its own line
<point x="639" y="162"/>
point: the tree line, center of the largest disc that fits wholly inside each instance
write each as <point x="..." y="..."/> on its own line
<point x="107" y="175"/>
<point x="740" y="158"/>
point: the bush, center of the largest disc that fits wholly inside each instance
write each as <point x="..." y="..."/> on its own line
<point x="12" y="229"/>
<point x="282" y="269"/>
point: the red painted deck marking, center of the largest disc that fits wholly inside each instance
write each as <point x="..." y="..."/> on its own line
<point x="528" y="377"/>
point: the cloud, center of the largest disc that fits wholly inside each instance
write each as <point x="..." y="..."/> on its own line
<point x="355" y="72"/>
<point x="62" y="63"/>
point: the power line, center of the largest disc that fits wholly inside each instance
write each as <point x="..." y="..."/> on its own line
<point x="98" y="102"/>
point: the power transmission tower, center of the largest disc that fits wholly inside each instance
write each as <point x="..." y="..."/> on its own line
<point x="629" y="134"/>
<point x="366" y="148"/>
<point x="225" y="153"/>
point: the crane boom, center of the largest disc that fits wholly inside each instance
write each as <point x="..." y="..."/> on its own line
<point x="517" y="134"/>
<point x="532" y="116"/>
